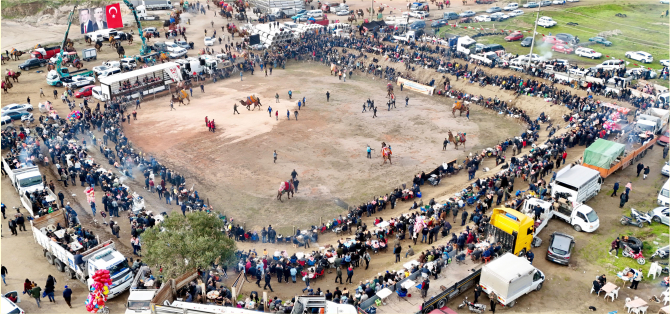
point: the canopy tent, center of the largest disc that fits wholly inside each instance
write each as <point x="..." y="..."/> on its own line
<point x="602" y="153"/>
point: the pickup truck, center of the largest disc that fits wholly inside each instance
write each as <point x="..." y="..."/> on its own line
<point x="580" y="216"/>
<point x="25" y="179"/>
<point x="141" y="293"/>
<point x="45" y="53"/>
<point x="409" y="37"/>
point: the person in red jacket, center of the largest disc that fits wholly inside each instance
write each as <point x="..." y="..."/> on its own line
<point x="206" y="121"/>
<point x="565" y="155"/>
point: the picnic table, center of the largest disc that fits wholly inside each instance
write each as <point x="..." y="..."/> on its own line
<point x="384" y="293"/>
<point x="639" y="302"/>
<point x="410" y="264"/>
<point x="408" y="284"/>
<point x="608" y="287"/>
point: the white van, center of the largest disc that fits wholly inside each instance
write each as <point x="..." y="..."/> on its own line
<point x="96" y="92"/>
<point x="611" y="65"/>
<point x="9" y="307"/>
<point x="664" y="195"/>
<point x="315" y="13"/>
<point x="109" y="72"/>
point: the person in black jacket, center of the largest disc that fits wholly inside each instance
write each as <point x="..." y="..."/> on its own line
<point x="397" y="251"/>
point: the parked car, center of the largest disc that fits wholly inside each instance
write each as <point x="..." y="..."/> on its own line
<point x="499" y="17"/>
<point x="482" y="18"/>
<point x="183" y="44"/>
<point x="493" y="9"/>
<point x="552" y="40"/>
<point x="560" y="2"/>
<point x="419" y="14"/>
<point x="665" y="63"/>
<point x="511" y="6"/>
<point x="666" y="169"/>
<point x="78" y="81"/>
<point x="17" y="108"/>
<point x="663" y="139"/>
<point x="178" y="53"/>
<point x="343" y="12"/>
<point x="209" y="41"/>
<point x="545" y="3"/>
<point x="15" y="115"/>
<point x="526" y="42"/>
<point x="27" y="117"/>
<point x="546" y="21"/>
<point x="567" y="38"/>
<point x="600" y="40"/>
<point x="516" y="13"/>
<point x="573" y="0"/>
<point x="560" y="248"/>
<point x="84" y="91"/>
<point x="439" y="23"/>
<point x="640" y="56"/>
<point x="514" y="36"/>
<point x="531" y="5"/>
<point x="588" y="53"/>
<point x="562" y="48"/>
<point x="5" y="119"/>
<point x="660" y="214"/>
<point x="467" y="13"/>
<point x="32" y="63"/>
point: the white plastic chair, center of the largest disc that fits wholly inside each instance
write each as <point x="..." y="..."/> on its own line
<point x="636" y="310"/>
<point x="643" y="309"/>
<point x="626" y="304"/>
<point x="666" y="299"/>
<point x="654" y="270"/>
<point x="616" y="293"/>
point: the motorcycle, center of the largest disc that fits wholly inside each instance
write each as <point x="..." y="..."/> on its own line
<point x="661" y="253"/>
<point x="473" y="307"/>
<point x="628" y="252"/>
<point x="640" y="217"/>
<point x="625" y="220"/>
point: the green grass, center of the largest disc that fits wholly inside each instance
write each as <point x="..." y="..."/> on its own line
<point x="642" y="29"/>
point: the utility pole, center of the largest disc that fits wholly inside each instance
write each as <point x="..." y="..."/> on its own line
<point x="532" y="43"/>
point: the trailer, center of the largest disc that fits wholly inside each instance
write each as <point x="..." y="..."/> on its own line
<point x="607" y="157"/>
<point x="45" y="53"/>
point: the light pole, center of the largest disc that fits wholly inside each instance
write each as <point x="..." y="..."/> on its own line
<point x="532" y="42"/>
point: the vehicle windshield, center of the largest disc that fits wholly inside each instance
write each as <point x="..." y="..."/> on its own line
<point x="665" y="193"/>
<point x="592" y="216"/>
<point x="138" y="305"/>
<point x="27" y="182"/>
<point x="118" y="268"/>
<point x="83" y="89"/>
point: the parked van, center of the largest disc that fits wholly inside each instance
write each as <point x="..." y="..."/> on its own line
<point x="418" y="25"/>
<point x="450" y="15"/>
<point x="509" y="277"/>
<point x="108" y="72"/>
<point x="315" y="13"/>
<point x="611" y="65"/>
<point x="576" y="184"/>
<point x="664" y="194"/>
<point x="493" y="48"/>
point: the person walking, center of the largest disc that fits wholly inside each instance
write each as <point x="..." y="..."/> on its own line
<point x="42" y="93"/>
<point x="36" y="293"/>
<point x="49" y="288"/>
<point x="616" y="188"/>
<point x="202" y="88"/>
<point x="444" y="144"/>
<point x="350" y="274"/>
<point x="645" y="173"/>
<point x="368" y="150"/>
<point x="277" y="115"/>
<point x="12" y="227"/>
<point x="374" y="112"/>
<point x="327" y="96"/>
<point x="172" y="105"/>
<point x="396" y="250"/>
<point x="274" y="155"/>
<point x="290" y="94"/>
<point x="288" y="114"/>
<point x="268" y="278"/>
<point x="406" y="101"/>
<point x="235" y="109"/>
<point x="616" y="244"/>
<point x="338" y="272"/>
<point x="478" y="292"/>
<point x="665" y="151"/>
<point x="424" y="287"/>
<point x="276" y="99"/>
<point x="640" y="166"/>
<point x="623" y="199"/>
<point x="295" y="114"/>
<point x="629" y="187"/>
<point x="67" y="295"/>
<point x="494" y="302"/>
<point x="4" y="272"/>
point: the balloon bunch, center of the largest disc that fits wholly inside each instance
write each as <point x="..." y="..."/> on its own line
<point x="99" y="291"/>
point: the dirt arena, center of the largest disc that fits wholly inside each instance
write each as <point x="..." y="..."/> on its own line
<point x="326" y="145"/>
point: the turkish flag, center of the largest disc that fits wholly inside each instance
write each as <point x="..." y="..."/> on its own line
<point x="114" y="16"/>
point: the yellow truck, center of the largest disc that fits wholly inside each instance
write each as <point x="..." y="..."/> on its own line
<point x="513" y="229"/>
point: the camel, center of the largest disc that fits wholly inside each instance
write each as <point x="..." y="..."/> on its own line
<point x="120" y="51"/>
<point x="386" y="153"/>
<point x="98" y="46"/>
<point x="389" y="90"/>
<point x="88" y="40"/>
<point x="3" y="58"/>
<point x="460" y="106"/>
<point x="252" y="100"/>
<point x="77" y="64"/>
<point x="130" y="39"/>
<point x="459" y="139"/>
<point x="16" y="54"/>
<point x="352" y="18"/>
<point x="112" y="41"/>
<point x="13" y="75"/>
<point x="6" y="86"/>
<point x="360" y="13"/>
<point x="181" y="95"/>
<point x="285" y="187"/>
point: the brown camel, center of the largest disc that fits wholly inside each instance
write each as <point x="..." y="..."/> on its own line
<point x="14" y="77"/>
<point x="283" y="189"/>
<point x="460" y="106"/>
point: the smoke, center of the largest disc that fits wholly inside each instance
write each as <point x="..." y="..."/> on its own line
<point x="544" y="50"/>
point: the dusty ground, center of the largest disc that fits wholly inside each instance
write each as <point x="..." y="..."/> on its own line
<point x="326" y="145"/>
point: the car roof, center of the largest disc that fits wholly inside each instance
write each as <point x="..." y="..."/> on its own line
<point x="562" y="241"/>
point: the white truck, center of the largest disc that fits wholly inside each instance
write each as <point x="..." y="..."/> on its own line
<point x="663" y="114"/>
<point x="157" y="4"/>
<point x="510" y="277"/>
<point x="650" y="123"/>
<point x="102" y="256"/>
<point x="577" y="184"/>
<point x="580" y="216"/>
<point x="408" y="37"/>
<point x="25" y="179"/>
<point x="142" y="14"/>
<point x="190" y="65"/>
<point x="139" y="299"/>
<point x="465" y="44"/>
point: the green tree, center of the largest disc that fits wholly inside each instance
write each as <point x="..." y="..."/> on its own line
<point x="182" y="244"/>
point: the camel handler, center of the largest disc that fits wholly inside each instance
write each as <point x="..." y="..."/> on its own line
<point x="235" y="109"/>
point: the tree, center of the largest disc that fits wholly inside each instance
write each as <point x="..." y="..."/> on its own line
<point x="181" y="244"/>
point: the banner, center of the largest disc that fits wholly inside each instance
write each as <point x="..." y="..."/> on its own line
<point x="174" y="73"/>
<point x="99" y="18"/>
<point x="424" y="89"/>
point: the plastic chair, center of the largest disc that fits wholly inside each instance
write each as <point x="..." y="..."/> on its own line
<point x="378" y="302"/>
<point x="654" y="270"/>
<point x="643" y="309"/>
<point x="626" y="304"/>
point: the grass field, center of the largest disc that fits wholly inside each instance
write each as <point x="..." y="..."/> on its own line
<point x="642" y="29"/>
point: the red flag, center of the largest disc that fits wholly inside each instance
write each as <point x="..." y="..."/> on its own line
<point x="114" y="16"/>
<point x="607" y="56"/>
<point x="635" y="64"/>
